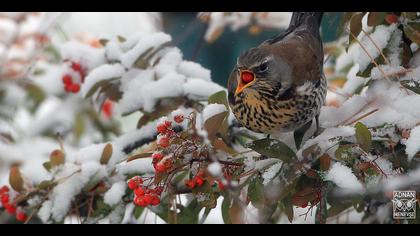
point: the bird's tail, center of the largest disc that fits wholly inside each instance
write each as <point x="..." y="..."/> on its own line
<point x="310" y="19"/>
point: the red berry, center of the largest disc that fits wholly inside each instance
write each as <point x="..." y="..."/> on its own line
<point x="67" y="79"/>
<point x="179" y="119"/>
<point x="74" y="88"/>
<point x="199" y="181"/>
<point x="159" y="190"/>
<point x="157" y="156"/>
<point x="161" y="129"/>
<point x="21" y="216"/>
<point x="247" y="77"/>
<point x="11" y="209"/>
<point x="4" y="189"/>
<point x="391" y="18"/>
<point x="163" y="142"/>
<point x="76" y="66"/>
<point x="107" y="109"/>
<point x="139" y="192"/>
<point x="148" y="199"/>
<point x="160" y="168"/>
<point x="221" y="185"/>
<point x="190" y="183"/>
<point x="67" y="87"/>
<point x="5" y="199"/>
<point x="155" y="201"/>
<point x="139" y="201"/>
<point x="304" y="205"/>
<point x="135" y="182"/>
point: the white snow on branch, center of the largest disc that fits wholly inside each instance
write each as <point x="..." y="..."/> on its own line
<point x="212" y="110"/>
<point x="413" y="143"/>
<point x="102" y="73"/>
<point x="344" y="178"/>
<point x="144" y="44"/>
<point x="83" y="54"/>
<point x="115" y="193"/>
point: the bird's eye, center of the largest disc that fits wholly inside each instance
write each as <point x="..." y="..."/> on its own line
<point x="263" y="67"/>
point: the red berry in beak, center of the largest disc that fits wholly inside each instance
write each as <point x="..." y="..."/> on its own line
<point x="247" y="77"/>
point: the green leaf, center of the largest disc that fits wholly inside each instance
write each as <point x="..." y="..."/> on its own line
<point x="355" y="26"/>
<point x="138" y="211"/>
<point x="287" y="206"/>
<point x="98" y="85"/>
<point x="376" y="18"/>
<point x="363" y="137"/>
<point x="79" y="126"/>
<point x="225" y="210"/>
<point x="273" y="148"/>
<point x="412" y="30"/>
<point x="47" y="166"/>
<point x="256" y="191"/>
<point x="338" y="208"/>
<point x="298" y="134"/>
<point x="345" y="153"/>
<point x="219" y="98"/>
<point x="189" y="214"/>
<point x="411" y="85"/>
<point x="213" y="124"/>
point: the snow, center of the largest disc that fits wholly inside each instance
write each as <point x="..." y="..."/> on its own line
<point x="102" y="73"/>
<point x="145" y="43"/>
<point x="413" y="143"/>
<point x="271" y="172"/>
<point x="139" y="166"/>
<point x="344" y="178"/>
<point x="115" y="193"/>
<point x="141" y="95"/>
<point x="74" y="180"/>
<point x="200" y="89"/>
<point x="212" y="110"/>
<point x="194" y="70"/>
<point x="87" y="56"/>
<point x="215" y="169"/>
<point x="381" y="37"/>
<point x="113" y="51"/>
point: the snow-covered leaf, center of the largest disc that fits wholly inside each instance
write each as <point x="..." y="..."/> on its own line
<point x="273" y="148"/>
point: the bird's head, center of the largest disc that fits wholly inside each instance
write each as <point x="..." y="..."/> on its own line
<point x="258" y="70"/>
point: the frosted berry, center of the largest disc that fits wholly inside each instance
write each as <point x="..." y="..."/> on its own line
<point x="157" y="156"/>
<point x="135" y="182"/>
<point x="107" y="109"/>
<point x="163" y="142"/>
<point x="160" y="168"/>
<point x="179" y="119"/>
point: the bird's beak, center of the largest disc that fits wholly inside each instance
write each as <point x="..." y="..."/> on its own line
<point x="243" y="82"/>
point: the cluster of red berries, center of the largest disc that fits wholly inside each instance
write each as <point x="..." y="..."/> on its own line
<point x="197" y="181"/>
<point x="9" y="206"/>
<point x="165" y="131"/>
<point x="72" y="83"/>
<point x="161" y="163"/>
<point x="144" y="196"/>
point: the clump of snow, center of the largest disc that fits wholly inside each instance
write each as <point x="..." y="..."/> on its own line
<point x="88" y="56"/>
<point x="381" y="37"/>
<point x="215" y="169"/>
<point x="102" y="73"/>
<point x="344" y="178"/>
<point x="200" y="89"/>
<point x="194" y="70"/>
<point x="413" y="143"/>
<point x="144" y="44"/>
<point x="115" y="193"/>
<point x="212" y="110"/>
<point x="271" y="172"/>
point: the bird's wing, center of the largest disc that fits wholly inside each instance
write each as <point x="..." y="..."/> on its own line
<point x="302" y="51"/>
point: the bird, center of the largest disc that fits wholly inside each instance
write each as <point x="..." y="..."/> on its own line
<point x="279" y="86"/>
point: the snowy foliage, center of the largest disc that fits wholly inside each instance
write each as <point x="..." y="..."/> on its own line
<point x="181" y="156"/>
